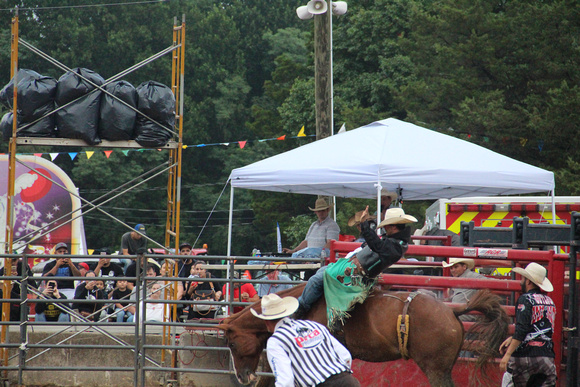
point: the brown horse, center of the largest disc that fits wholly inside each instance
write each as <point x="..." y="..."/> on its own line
<point x="435" y="332"/>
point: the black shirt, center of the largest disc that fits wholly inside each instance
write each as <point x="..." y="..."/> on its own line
<point x="535" y="313"/>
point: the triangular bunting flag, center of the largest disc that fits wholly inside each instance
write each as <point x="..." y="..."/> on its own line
<point x="108" y="153"/>
<point x="125" y="152"/>
<point x="140" y="150"/>
<point x="90" y="251"/>
<point x="342" y="129"/>
<point x="242" y="144"/>
<point x="262" y="140"/>
<point x="90" y="154"/>
<point x="53" y="156"/>
<point x="73" y="155"/>
<point x="226" y="143"/>
<point x="281" y="137"/>
<point x="38" y="154"/>
<point x="184" y="146"/>
<point x="523" y="141"/>
<point x="301" y="133"/>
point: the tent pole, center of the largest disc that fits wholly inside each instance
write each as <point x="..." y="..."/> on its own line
<point x="230" y="221"/>
<point x="379" y="209"/>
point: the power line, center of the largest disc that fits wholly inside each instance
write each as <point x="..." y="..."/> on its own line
<point x="87" y="5"/>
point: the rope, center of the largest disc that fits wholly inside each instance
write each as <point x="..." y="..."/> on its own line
<point x="210" y="213"/>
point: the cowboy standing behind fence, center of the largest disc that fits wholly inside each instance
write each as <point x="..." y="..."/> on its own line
<point x="529" y="353"/>
<point x="302" y="353"/>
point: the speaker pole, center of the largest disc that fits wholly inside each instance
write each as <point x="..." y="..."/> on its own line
<point x="323" y="74"/>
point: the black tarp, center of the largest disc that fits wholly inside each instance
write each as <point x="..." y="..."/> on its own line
<point x="117" y="121"/>
<point x="158" y="102"/>
<point x="81" y="118"/>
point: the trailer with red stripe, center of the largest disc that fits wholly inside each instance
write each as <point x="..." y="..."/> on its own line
<point x="499" y="211"/>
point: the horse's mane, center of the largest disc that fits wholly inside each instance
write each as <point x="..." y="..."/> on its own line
<point x="245" y="316"/>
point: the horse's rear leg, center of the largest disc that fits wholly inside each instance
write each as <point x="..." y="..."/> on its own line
<point x="439" y="378"/>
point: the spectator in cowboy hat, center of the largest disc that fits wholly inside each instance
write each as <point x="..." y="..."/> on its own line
<point x="462" y="268"/>
<point x="387" y="199"/>
<point x="528" y="355"/>
<point x="319" y="235"/>
<point x="297" y="347"/>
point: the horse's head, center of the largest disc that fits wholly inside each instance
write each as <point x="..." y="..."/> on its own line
<point x="246" y="346"/>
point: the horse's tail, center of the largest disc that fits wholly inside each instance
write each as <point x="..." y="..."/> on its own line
<point x="490" y="329"/>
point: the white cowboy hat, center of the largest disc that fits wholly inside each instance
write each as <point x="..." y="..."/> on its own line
<point x="274" y="307"/>
<point x="356" y="219"/>
<point x="537" y="274"/>
<point x="396" y="216"/>
<point x="452" y="261"/>
<point x="320" y="205"/>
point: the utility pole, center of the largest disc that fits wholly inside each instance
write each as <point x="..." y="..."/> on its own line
<point x="323" y="75"/>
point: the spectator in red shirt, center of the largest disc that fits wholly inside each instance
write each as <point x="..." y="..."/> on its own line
<point x="248" y="293"/>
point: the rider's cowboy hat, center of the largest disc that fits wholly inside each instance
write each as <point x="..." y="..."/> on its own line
<point x="452" y="261"/>
<point x="274" y="307"/>
<point x="396" y="216"/>
<point x="537" y="274"/>
<point x="320" y="205"/>
<point x="356" y="219"/>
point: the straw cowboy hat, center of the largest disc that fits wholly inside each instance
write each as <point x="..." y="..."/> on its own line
<point x="396" y="216"/>
<point x="452" y="261"/>
<point x="274" y="307"/>
<point x="391" y="194"/>
<point x="537" y="274"/>
<point x="320" y="205"/>
<point x="356" y="219"/>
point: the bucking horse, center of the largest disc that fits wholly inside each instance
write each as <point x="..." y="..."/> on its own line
<point x="435" y="334"/>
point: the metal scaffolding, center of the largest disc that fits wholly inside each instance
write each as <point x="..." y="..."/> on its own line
<point x="173" y="166"/>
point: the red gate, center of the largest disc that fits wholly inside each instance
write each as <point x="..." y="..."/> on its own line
<point x="407" y="373"/>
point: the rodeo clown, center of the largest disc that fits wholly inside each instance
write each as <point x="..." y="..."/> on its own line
<point x="349" y="280"/>
<point x="300" y="352"/>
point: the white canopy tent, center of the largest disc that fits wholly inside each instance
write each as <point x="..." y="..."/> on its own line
<point x="418" y="163"/>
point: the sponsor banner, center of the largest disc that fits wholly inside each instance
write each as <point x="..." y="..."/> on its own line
<point x="493" y="253"/>
<point x="471" y="252"/>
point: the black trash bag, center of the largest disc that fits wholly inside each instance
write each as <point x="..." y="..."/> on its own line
<point x="43" y="128"/>
<point x="158" y="102"/>
<point x="80" y="119"/>
<point x="6" y="126"/>
<point x="36" y="97"/>
<point x="117" y="121"/>
<point x="7" y="92"/>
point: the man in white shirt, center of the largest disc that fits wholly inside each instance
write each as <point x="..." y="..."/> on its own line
<point x="319" y="235"/>
<point x="301" y="352"/>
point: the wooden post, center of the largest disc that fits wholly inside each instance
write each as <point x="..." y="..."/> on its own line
<point x="322" y="74"/>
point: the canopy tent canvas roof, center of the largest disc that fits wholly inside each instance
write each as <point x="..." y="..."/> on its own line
<point x="422" y="163"/>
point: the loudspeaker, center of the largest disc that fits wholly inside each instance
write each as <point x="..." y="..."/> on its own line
<point x="316" y="7"/>
<point x="339" y="7"/>
<point x="303" y="13"/>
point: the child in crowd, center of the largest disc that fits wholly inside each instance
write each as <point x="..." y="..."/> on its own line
<point x="123" y="308"/>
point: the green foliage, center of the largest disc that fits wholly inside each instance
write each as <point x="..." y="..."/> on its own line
<point x="297" y="229"/>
